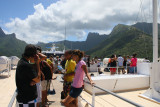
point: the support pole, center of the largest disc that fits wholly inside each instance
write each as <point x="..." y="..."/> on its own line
<point x="152" y="93"/>
<point x="155" y="45"/>
<point x="93" y="96"/>
<point x="155" y="32"/>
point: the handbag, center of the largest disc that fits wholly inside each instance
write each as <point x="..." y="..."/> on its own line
<point x="52" y="92"/>
<point x="62" y="95"/>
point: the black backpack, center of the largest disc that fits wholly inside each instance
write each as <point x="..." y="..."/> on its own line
<point x="46" y="70"/>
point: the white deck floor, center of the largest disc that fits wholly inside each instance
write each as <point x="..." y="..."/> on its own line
<point x="8" y="87"/>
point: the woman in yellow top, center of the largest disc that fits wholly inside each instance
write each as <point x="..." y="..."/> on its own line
<point x="69" y="73"/>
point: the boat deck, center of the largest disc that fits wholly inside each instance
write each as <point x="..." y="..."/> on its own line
<point x="8" y="87"/>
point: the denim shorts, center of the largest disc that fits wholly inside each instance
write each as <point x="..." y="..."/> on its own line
<point x="75" y="92"/>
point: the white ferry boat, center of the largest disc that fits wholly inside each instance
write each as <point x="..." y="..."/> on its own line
<point x="53" y="51"/>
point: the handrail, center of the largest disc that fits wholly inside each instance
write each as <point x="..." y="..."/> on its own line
<point x="86" y="101"/>
<point x="125" y="67"/>
<point x="12" y="99"/>
<point x="112" y="93"/>
<point x="118" y="67"/>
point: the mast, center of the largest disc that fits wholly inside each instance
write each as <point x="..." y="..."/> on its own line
<point x="155" y="84"/>
<point x="65" y="37"/>
<point x="155" y="32"/>
<point x="153" y="93"/>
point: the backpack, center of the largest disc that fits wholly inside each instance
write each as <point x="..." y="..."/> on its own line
<point x="46" y="70"/>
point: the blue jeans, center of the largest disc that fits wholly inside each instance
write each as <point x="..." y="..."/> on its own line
<point x="132" y="70"/>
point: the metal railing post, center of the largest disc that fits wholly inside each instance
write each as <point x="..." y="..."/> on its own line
<point x="112" y="93"/>
<point x="126" y="65"/>
<point x="97" y="71"/>
<point x="93" y="96"/>
<point x="12" y="99"/>
<point x="117" y="67"/>
<point x="8" y="68"/>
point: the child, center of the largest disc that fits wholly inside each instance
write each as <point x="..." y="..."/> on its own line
<point x="69" y="74"/>
<point x="77" y="88"/>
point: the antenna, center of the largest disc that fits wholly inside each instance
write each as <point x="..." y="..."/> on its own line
<point x="65" y="37"/>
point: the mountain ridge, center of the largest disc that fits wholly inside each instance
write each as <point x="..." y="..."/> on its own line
<point x="10" y="45"/>
<point x="92" y="40"/>
<point x="2" y="34"/>
<point x="124" y="40"/>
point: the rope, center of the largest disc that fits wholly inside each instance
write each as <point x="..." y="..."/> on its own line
<point x="142" y="14"/>
<point x="145" y="19"/>
<point x="136" y="19"/>
<point x="159" y="8"/>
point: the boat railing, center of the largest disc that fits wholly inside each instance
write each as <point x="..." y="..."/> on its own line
<point x="12" y="99"/>
<point x="93" y="97"/>
<point x="117" y="67"/>
<point x="112" y="93"/>
<point x="124" y="67"/>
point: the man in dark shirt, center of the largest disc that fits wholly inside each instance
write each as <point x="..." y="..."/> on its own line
<point x="27" y="77"/>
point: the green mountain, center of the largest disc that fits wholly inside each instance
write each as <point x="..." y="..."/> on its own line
<point x="93" y="39"/>
<point x="124" y="40"/>
<point x="146" y="27"/>
<point x="10" y="45"/>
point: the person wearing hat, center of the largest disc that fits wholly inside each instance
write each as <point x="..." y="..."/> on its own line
<point x="56" y="62"/>
<point x="27" y="77"/>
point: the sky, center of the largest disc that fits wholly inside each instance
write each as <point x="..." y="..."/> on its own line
<point x="45" y="20"/>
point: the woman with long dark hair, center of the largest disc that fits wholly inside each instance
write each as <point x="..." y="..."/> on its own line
<point x="77" y="86"/>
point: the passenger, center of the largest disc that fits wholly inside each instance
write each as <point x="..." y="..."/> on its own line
<point x="88" y="63"/>
<point x="109" y="62"/>
<point x="39" y="89"/>
<point x="95" y="59"/>
<point x="99" y="67"/>
<point x="85" y="58"/>
<point x="120" y="63"/>
<point x="93" y="62"/>
<point x="42" y="56"/>
<point x="63" y="62"/>
<point x="51" y="58"/>
<point x="69" y="73"/>
<point x="128" y="63"/>
<point x="124" y="65"/>
<point x="27" y="77"/>
<point x="77" y="86"/>
<point x="47" y="71"/>
<point x="146" y="60"/>
<point x="115" y="57"/>
<point x="113" y="65"/>
<point x="133" y="65"/>
<point x="56" y="62"/>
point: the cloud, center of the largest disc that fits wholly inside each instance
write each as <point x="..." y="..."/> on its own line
<point x="48" y="24"/>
